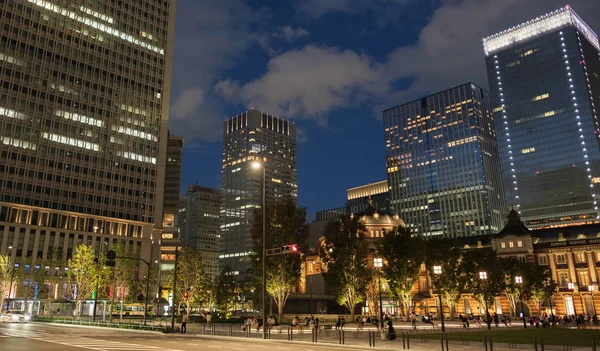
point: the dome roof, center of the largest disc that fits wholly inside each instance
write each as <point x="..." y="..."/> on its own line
<point x="372" y="216"/>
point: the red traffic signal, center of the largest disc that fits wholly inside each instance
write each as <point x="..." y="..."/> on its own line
<point x="293" y="248"/>
<point x="185" y="296"/>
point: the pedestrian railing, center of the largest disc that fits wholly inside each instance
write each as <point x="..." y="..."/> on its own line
<point x="106" y="324"/>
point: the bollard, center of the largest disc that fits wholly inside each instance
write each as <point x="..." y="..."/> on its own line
<point x="491" y="344"/>
<point x="442" y="341"/>
<point x="230" y="329"/>
<point x="204" y="329"/>
<point x="535" y="344"/>
<point x="485" y="342"/>
<point x="542" y="344"/>
<point x="408" y="341"/>
<point x="593" y="345"/>
<point x="370" y="340"/>
<point x="343" y="337"/>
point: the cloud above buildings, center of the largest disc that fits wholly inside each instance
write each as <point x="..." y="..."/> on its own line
<point x="311" y="81"/>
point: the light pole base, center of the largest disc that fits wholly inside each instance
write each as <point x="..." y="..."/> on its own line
<point x="383" y="334"/>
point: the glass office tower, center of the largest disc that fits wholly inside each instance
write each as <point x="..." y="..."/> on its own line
<point x="252" y="136"/>
<point x="545" y="85"/>
<point x="84" y="101"/>
<point x="442" y="163"/>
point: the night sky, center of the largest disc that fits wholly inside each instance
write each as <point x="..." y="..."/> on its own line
<point x="331" y="66"/>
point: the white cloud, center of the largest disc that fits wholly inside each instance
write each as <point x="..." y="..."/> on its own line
<point x="291" y="34"/>
<point x="187" y="102"/>
<point x="211" y="37"/>
<point x="308" y="83"/>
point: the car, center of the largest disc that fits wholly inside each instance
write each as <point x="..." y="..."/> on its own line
<point x="15" y="317"/>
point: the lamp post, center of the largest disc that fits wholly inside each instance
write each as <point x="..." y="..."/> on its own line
<point x="483" y="277"/>
<point x="437" y="270"/>
<point x="258" y="165"/>
<point x="519" y="280"/>
<point x="12" y="274"/>
<point x="591" y="289"/>
<point x="378" y="263"/>
<point x="571" y="286"/>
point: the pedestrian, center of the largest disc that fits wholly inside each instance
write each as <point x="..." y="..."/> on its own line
<point x="391" y="330"/>
<point x="342" y="323"/>
<point x="208" y="319"/>
<point x="184" y="321"/>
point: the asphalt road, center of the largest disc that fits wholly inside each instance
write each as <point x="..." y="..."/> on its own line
<point x="46" y="337"/>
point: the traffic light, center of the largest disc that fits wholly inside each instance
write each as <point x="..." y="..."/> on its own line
<point x="293" y="248"/>
<point x="110" y="258"/>
<point x="185" y="296"/>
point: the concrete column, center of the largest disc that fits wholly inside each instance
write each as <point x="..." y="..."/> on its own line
<point x="572" y="271"/>
<point x="552" y="262"/>
<point x="591" y="262"/>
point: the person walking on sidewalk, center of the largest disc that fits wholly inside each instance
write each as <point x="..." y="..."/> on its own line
<point x="184" y="321"/>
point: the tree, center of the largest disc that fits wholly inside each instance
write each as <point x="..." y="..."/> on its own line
<point x="540" y="284"/>
<point x="485" y="277"/>
<point x="286" y="225"/>
<point x="451" y="283"/>
<point x="6" y="267"/>
<point x="513" y="290"/>
<point x="344" y="255"/>
<point x="372" y="290"/>
<point x="84" y="273"/>
<point x="190" y="278"/>
<point x="225" y="291"/>
<point x="403" y="256"/>
<point x="123" y="274"/>
<point x="52" y="265"/>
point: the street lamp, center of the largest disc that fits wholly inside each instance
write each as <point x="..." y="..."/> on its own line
<point x="571" y="287"/>
<point x="437" y="270"/>
<point x="12" y="273"/>
<point x="483" y="276"/>
<point x="519" y="280"/>
<point x="257" y="165"/>
<point x="378" y="263"/>
<point x="591" y="289"/>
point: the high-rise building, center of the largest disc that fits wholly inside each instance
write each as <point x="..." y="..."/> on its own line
<point x="198" y="222"/>
<point x="376" y="195"/>
<point x="545" y="86"/>
<point x="252" y="136"/>
<point x="83" y="111"/>
<point x="442" y="163"/>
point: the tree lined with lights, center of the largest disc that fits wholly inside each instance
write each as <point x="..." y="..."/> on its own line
<point x="451" y="281"/>
<point x="286" y="224"/>
<point x="6" y="267"/>
<point x="345" y="253"/>
<point x="403" y="256"/>
<point x="84" y="274"/>
<point x="192" y="283"/>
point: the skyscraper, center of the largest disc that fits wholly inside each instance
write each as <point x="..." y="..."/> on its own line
<point x="376" y="195"/>
<point x="442" y="163"/>
<point x="84" y="110"/>
<point x="198" y="221"/>
<point x="545" y="86"/>
<point x="252" y="136"/>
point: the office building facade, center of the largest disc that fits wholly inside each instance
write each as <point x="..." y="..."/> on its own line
<point x="198" y="222"/>
<point x="376" y="195"/>
<point x="252" y="136"/>
<point x="442" y="163"/>
<point x="545" y="87"/>
<point x="83" y="111"/>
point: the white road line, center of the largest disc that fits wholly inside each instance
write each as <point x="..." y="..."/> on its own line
<point x="214" y="346"/>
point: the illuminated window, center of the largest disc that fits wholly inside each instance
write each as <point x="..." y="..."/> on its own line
<point x="541" y="97"/>
<point x="498" y="109"/>
<point x="11" y="113"/>
<point x="11" y="59"/>
<point x="135" y="133"/>
<point x="596" y="180"/>
<point x="543" y="260"/>
<point x="561" y="259"/>
<point x="580" y="257"/>
<point x="528" y="150"/>
<point x="18" y="143"/>
<point x="96" y="14"/>
<point x="511" y="244"/>
<point x="519" y="243"/>
<point x="503" y="245"/>
<point x="137" y="157"/>
<point x="512" y="64"/>
<point x="549" y="113"/>
<point x="71" y="141"/>
<point x="94" y="24"/>
<point x="79" y="118"/>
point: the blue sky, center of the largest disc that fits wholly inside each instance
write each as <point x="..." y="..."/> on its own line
<point x="331" y="66"/>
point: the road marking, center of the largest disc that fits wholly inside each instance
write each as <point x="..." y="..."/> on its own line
<point x="191" y="344"/>
<point x="214" y="346"/>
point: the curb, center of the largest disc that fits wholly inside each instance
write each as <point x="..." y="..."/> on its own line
<point x="98" y="327"/>
<point x="322" y="344"/>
